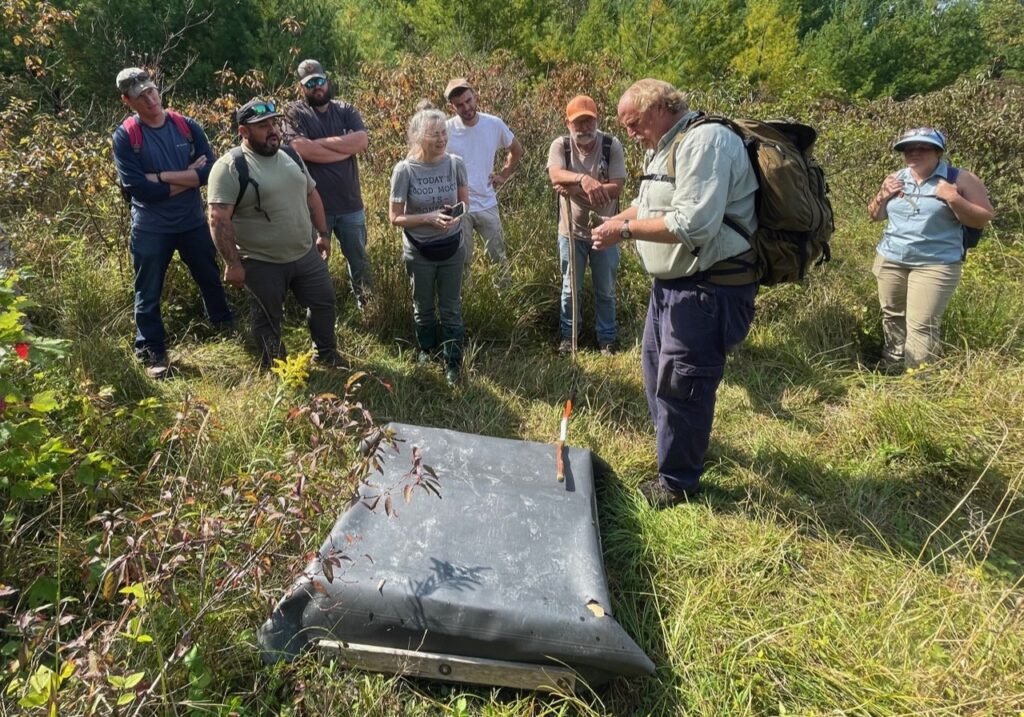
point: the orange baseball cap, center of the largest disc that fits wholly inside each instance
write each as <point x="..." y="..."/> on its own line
<point x="580" y="106"/>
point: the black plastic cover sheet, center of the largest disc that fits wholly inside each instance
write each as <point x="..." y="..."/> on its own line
<point x="506" y="564"/>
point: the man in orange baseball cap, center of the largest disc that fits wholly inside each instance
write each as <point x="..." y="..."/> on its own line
<point x="587" y="168"/>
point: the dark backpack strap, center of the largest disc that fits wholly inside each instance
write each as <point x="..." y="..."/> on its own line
<point x="131" y="126"/>
<point x="244" y="180"/>
<point x="734" y="225"/>
<point x="567" y="152"/>
<point x="951" y="174"/>
<point x="606" y="155"/>
<point x="657" y="178"/>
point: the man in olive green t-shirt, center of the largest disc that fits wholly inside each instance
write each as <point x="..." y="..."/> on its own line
<point x="266" y="234"/>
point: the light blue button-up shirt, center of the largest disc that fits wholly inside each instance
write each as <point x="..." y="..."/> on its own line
<point x="713" y="179"/>
<point x="922" y="229"/>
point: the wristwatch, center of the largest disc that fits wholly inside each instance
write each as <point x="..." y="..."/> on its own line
<point x="625" y="233"/>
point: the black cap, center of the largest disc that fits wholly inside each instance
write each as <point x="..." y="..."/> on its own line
<point x="256" y="110"/>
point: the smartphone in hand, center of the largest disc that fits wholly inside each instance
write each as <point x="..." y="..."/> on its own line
<point x="455" y="211"/>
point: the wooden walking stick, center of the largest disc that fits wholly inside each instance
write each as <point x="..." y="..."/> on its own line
<point x="564" y="427"/>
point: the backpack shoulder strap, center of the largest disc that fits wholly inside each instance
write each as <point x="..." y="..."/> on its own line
<point x="952" y="173"/>
<point x="567" y="152"/>
<point x="697" y="122"/>
<point x="241" y="165"/>
<point x="134" y="130"/>
<point x="290" y="151"/>
<point x="179" y="121"/>
<point x="606" y="149"/>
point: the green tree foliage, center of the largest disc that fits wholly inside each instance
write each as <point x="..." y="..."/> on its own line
<point x="1002" y="22"/>
<point x="189" y="41"/>
<point x="771" y="55"/>
<point x="900" y="48"/>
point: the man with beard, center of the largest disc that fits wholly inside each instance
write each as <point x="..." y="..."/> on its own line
<point x="476" y="137"/>
<point x="162" y="159"/>
<point x="261" y="203"/>
<point x="687" y="230"/>
<point x="328" y="134"/>
<point x="589" y="169"/>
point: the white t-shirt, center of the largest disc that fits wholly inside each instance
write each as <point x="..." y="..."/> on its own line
<point x="477" y="146"/>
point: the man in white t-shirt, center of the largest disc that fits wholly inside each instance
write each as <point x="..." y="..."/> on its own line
<point x="476" y="137"/>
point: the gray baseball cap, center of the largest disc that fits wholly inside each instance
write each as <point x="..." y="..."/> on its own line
<point x="133" y="81"/>
<point x="310" y="68"/>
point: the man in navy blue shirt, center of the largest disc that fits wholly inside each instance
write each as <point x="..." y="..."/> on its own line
<point x="162" y="159"/>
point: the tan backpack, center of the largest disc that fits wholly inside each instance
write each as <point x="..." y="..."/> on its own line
<point x="794" y="215"/>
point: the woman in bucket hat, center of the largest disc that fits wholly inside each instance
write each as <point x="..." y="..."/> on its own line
<point x="918" y="262"/>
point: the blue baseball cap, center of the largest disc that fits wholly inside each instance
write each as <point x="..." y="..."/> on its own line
<point x="921" y="135"/>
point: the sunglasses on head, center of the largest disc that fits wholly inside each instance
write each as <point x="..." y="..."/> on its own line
<point x="314" y="82"/>
<point x="140" y="76"/>
<point x="259" y="109"/>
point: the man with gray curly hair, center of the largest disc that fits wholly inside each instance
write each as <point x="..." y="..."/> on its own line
<point x="697" y="186"/>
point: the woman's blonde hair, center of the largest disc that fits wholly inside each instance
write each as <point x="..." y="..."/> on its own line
<point x="424" y="119"/>
<point x="649" y="92"/>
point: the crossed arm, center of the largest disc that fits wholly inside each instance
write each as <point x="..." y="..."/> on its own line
<point x="331" y="149"/>
<point x="577" y="184"/>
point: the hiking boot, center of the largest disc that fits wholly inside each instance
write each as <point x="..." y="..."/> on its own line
<point x="609" y="348"/>
<point x="658" y="496"/>
<point x="157" y="367"/>
<point x="330" y="360"/>
<point x="423" y="358"/>
<point x="565" y="347"/>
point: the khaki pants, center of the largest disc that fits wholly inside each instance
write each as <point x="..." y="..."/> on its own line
<point x="913" y="300"/>
<point x="488" y="224"/>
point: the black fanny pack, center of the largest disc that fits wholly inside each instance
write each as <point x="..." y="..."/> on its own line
<point x="436" y="249"/>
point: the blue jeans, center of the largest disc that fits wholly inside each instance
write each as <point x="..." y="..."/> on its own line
<point x="603" y="267"/>
<point x="151" y="255"/>
<point x="691" y="326"/>
<point x="351" y="232"/>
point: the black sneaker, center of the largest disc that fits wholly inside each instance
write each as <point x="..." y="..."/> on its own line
<point x="331" y="360"/>
<point x="609" y="348"/>
<point x="658" y="496"/>
<point x="565" y="347"/>
<point x="452" y="376"/>
<point x="424" y="358"/>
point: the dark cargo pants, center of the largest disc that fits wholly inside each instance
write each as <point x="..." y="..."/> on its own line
<point x="691" y="326"/>
<point x="310" y="281"/>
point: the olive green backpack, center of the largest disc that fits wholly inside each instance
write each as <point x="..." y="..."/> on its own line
<point x="794" y="215"/>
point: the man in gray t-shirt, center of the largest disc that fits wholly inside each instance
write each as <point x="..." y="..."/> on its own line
<point x="329" y="134"/>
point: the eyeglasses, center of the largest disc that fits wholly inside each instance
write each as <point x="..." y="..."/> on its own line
<point x="314" y="82"/>
<point x="918" y="148"/>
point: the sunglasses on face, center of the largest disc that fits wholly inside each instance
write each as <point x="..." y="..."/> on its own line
<point x="314" y="82"/>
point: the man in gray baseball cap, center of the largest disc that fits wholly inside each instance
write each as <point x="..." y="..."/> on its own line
<point x="133" y="81"/>
<point x="329" y="135"/>
<point x="162" y="159"/>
